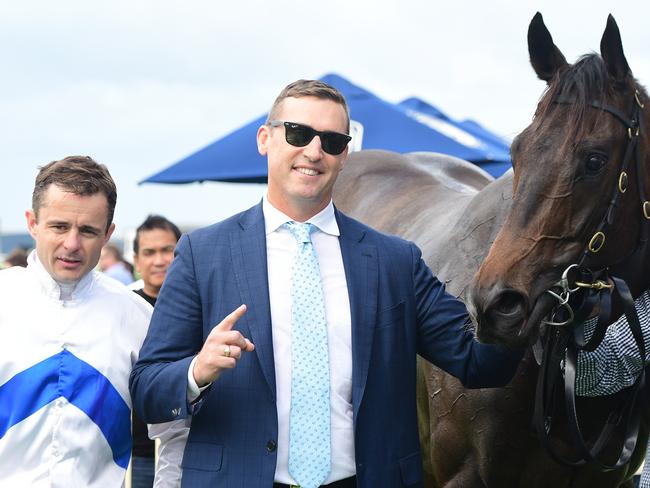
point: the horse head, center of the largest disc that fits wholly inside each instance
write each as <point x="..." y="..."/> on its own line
<point x="575" y="198"/>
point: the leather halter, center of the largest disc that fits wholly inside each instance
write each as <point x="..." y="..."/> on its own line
<point x="563" y="340"/>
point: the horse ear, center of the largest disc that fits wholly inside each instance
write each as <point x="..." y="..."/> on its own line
<point x="545" y="57"/>
<point x="611" y="49"/>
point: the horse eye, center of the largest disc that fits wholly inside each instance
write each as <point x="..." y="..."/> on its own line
<point x="595" y="162"/>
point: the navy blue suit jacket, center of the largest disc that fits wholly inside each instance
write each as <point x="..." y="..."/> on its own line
<point x="398" y="310"/>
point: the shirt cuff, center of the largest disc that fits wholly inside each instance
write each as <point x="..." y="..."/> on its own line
<point x="193" y="390"/>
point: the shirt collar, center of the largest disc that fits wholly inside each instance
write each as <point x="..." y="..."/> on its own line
<point x="53" y="288"/>
<point x="325" y="220"/>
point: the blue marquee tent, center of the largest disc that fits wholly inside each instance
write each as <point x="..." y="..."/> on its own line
<point x="496" y="149"/>
<point x="381" y="125"/>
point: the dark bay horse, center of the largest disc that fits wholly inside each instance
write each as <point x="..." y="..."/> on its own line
<point x="534" y="222"/>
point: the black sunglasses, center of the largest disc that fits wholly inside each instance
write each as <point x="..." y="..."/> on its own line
<point x="300" y="135"/>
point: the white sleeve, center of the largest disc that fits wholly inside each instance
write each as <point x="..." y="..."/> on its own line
<point x="172" y="438"/>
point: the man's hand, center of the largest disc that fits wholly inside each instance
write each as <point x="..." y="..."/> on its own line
<point x="221" y="350"/>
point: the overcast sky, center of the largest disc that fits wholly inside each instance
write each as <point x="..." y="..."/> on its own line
<point x="139" y="85"/>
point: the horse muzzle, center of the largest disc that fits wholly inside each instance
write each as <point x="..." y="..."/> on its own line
<point x="500" y="313"/>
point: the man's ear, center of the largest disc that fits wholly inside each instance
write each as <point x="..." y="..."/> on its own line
<point x="263" y="135"/>
<point x="109" y="233"/>
<point x="30" y="216"/>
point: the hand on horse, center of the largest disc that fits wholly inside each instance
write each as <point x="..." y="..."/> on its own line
<point x="221" y="350"/>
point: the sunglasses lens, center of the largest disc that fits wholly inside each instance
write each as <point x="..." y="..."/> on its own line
<point x="334" y="143"/>
<point x="298" y="135"/>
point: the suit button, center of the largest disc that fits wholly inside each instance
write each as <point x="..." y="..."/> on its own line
<point x="271" y="445"/>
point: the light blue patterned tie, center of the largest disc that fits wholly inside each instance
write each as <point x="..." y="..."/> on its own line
<point x="309" y="427"/>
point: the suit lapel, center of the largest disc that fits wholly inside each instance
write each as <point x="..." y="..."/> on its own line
<point x="248" y="249"/>
<point x="361" y="274"/>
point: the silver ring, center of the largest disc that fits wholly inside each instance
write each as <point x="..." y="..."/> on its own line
<point x="226" y="350"/>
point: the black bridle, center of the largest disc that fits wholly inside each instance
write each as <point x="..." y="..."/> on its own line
<point x="578" y="292"/>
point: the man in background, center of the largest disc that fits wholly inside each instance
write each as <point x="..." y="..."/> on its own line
<point x="153" y="252"/>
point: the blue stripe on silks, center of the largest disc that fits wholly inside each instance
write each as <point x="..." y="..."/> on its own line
<point x="66" y="375"/>
<point x="28" y="392"/>
<point x="92" y="393"/>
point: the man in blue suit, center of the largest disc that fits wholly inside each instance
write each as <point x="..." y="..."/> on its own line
<point x="257" y="419"/>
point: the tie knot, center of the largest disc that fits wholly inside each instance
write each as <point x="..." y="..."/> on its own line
<point x="300" y="231"/>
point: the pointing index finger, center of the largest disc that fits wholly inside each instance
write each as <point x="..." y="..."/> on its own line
<point x="231" y="319"/>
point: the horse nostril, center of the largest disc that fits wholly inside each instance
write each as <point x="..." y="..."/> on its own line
<point x="499" y="313"/>
<point x="509" y="303"/>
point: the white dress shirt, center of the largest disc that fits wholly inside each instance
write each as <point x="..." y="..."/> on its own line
<point x="280" y="250"/>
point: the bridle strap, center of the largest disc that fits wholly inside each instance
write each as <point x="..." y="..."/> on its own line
<point x="630" y="413"/>
<point x="565" y="343"/>
<point x="632" y="152"/>
<point x="605" y="312"/>
<point x="627" y="122"/>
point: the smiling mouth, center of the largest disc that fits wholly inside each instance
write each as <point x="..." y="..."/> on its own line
<point x="307" y="171"/>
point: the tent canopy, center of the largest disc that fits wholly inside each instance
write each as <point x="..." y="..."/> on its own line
<point x="379" y="125"/>
<point x="468" y="132"/>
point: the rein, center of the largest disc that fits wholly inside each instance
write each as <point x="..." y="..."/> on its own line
<point x="578" y="292"/>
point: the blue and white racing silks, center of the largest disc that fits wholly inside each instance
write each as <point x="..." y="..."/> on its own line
<point x="64" y="369"/>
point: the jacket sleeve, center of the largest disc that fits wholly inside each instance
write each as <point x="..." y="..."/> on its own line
<point x="446" y="337"/>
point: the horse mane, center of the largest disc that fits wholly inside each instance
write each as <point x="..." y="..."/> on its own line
<point x="581" y="83"/>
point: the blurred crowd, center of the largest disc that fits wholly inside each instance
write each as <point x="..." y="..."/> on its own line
<point x="17" y="257"/>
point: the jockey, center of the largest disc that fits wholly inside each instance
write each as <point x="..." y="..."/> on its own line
<point x="70" y="336"/>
